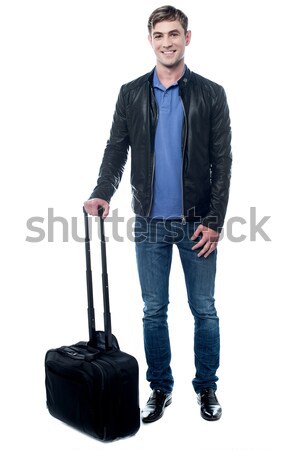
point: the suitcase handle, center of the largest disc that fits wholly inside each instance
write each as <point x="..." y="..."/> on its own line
<point x="89" y="284"/>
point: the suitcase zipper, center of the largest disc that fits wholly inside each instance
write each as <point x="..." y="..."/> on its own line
<point x="74" y="354"/>
<point x="109" y="404"/>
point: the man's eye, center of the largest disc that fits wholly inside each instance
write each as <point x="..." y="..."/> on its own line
<point x="174" y="34"/>
<point x="158" y="37"/>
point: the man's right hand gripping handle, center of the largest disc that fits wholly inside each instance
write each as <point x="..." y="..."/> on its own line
<point x="92" y="205"/>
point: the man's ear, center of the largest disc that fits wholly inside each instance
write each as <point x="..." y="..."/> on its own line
<point x="150" y="39"/>
<point x="188" y="37"/>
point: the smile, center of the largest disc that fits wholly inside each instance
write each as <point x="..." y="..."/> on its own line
<point x="169" y="52"/>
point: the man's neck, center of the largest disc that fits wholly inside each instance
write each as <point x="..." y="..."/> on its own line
<point x="169" y="75"/>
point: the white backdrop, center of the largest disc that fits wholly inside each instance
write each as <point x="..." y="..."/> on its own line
<point x="62" y="64"/>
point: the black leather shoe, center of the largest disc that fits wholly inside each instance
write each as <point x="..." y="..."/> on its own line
<point x="209" y="405"/>
<point x="154" y="409"/>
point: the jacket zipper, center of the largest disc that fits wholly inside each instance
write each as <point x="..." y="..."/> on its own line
<point x="183" y="157"/>
<point x="153" y="164"/>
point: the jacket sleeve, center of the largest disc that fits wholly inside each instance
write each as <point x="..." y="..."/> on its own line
<point x="115" y="154"/>
<point x="220" y="162"/>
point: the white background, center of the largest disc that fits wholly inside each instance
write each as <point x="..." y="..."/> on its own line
<point x="62" y="64"/>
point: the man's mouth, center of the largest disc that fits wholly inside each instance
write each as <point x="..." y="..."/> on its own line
<point x="169" y="52"/>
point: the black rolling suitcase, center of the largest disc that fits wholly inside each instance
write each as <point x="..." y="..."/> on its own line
<point x="93" y="386"/>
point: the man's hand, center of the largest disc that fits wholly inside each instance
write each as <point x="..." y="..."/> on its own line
<point x="91" y="207"/>
<point x="208" y="242"/>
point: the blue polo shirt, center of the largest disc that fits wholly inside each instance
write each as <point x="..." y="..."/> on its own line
<point x="167" y="194"/>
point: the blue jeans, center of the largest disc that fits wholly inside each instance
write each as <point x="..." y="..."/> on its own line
<point x="154" y="243"/>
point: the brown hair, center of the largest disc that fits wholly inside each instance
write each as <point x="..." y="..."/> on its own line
<point x="169" y="13"/>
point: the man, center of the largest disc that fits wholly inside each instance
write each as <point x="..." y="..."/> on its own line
<point x="177" y="126"/>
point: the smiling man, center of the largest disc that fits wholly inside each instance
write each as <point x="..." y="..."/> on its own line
<point x="169" y="40"/>
<point x="177" y="125"/>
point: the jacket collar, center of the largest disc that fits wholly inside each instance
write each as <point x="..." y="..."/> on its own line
<point x="182" y="82"/>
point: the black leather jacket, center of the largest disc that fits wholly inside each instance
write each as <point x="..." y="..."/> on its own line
<point x="205" y="148"/>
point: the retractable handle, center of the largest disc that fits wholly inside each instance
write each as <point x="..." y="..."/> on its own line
<point x="89" y="283"/>
<point x="106" y="302"/>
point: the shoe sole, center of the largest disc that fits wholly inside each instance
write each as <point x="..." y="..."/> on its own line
<point x="211" y="419"/>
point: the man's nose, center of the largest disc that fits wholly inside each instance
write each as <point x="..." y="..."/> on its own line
<point x="167" y="42"/>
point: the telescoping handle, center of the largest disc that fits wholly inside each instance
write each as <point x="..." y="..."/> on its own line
<point x="89" y="283"/>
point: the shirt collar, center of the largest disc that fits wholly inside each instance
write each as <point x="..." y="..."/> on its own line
<point x="159" y="85"/>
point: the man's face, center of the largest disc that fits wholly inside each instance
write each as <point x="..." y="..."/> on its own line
<point x="169" y="40"/>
